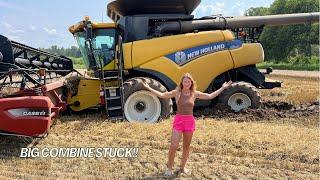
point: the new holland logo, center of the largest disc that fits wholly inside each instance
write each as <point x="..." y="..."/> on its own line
<point x="187" y="55"/>
<point x="180" y="57"/>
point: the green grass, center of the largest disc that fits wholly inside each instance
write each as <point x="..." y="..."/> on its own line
<point x="78" y="63"/>
<point x="288" y="66"/>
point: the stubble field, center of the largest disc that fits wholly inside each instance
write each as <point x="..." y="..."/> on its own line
<point x="279" y="141"/>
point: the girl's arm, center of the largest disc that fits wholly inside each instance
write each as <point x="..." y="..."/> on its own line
<point x="170" y="94"/>
<point x="214" y="94"/>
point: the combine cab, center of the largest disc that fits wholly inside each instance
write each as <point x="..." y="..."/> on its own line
<point x="31" y="88"/>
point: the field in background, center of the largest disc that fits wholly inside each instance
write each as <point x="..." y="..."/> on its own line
<point x="288" y="66"/>
<point x="78" y="63"/>
<point x="224" y="147"/>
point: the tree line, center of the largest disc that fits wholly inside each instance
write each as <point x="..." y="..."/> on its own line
<point x="73" y="51"/>
<point x="294" y="42"/>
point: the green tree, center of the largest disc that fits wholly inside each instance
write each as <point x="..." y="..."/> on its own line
<point x="73" y="51"/>
<point x="257" y="11"/>
<point x="286" y="41"/>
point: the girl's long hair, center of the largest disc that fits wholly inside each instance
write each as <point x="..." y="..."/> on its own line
<point x="193" y="86"/>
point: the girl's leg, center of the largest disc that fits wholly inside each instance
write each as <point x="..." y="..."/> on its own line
<point x="175" y="139"/>
<point x="187" y="137"/>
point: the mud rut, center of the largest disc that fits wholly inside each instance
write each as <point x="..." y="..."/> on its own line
<point x="268" y="110"/>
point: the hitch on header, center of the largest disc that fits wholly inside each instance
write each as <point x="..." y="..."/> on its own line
<point x="269" y="70"/>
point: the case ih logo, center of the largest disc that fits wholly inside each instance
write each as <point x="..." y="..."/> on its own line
<point x="29" y="112"/>
<point x="34" y="113"/>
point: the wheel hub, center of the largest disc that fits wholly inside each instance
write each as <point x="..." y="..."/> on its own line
<point x="140" y="106"/>
<point x="239" y="101"/>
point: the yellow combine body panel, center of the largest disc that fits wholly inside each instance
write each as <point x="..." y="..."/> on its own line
<point x="146" y="50"/>
<point x="127" y="55"/>
<point x="248" y="54"/>
<point x="87" y="96"/>
<point x="154" y="54"/>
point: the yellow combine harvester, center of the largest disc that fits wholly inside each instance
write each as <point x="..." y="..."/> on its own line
<point x="157" y="41"/>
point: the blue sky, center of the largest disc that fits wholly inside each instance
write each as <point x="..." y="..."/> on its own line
<point x="42" y="23"/>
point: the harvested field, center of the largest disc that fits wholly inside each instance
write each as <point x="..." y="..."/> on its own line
<point x="278" y="141"/>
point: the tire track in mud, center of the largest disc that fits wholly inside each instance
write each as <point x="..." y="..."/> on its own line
<point x="268" y="110"/>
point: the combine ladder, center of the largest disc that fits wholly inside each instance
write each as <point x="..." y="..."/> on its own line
<point x="113" y="95"/>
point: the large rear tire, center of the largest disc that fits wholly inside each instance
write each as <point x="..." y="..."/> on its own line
<point x="140" y="105"/>
<point x="240" y="95"/>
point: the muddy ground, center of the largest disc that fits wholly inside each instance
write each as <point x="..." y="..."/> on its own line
<point x="278" y="141"/>
<point x="268" y="110"/>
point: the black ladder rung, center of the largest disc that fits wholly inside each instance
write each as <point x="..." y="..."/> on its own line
<point x="111" y="77"/>
<point x="112" y="87"/>
<point x="113" y="98"/>
<point x="116" y="118"/>
<point x="114" y="108"/>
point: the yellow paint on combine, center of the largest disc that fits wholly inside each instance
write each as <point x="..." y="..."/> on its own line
<point x="150" y="54"/>
<point x="127" y="53"/>
<point x="248" y="54"/>
<point x="204" y="69"/>
<point x="88" y="95"/>
<point x="79" y="26"/>
<point x="228" y="35"/>
<point x="110" y="66"/>
<point x="146" y="50"/>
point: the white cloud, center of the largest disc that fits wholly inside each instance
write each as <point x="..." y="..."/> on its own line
<point x="210" y="9"/>
<point x="6" y="25"/>
<point x="236" y="5"/>
<point x="6" y="5"/>
<point x="10" y="29"/>
<point x="15" y="38"/>
<point x="238" y="9"/>
<point x="32" y="28"/>
<point x="50" y="31"/>
<point x="16" y="31"/>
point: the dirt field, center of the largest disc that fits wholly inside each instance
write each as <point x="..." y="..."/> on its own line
<point x="278" y="141"/>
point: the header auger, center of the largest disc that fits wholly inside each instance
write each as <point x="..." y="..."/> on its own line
<point x="15" y="55"/>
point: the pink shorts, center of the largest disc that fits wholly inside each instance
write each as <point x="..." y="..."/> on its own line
<point x="184" y="123"/>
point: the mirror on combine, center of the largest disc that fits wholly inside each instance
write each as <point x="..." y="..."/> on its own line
<point x="1" y="57"/>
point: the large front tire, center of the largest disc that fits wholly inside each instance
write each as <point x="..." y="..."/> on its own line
<point x="140" y="105"/>
<point x="240" y="95"/>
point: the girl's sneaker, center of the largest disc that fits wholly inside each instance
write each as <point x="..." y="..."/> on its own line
<point x="168" y="174"/>
<point x="185" y="171"/>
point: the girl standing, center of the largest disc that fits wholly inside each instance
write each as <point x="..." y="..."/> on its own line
<point x="184" y="122"/>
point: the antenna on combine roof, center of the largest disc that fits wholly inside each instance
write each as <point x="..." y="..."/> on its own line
<point x="102" y="16"/>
